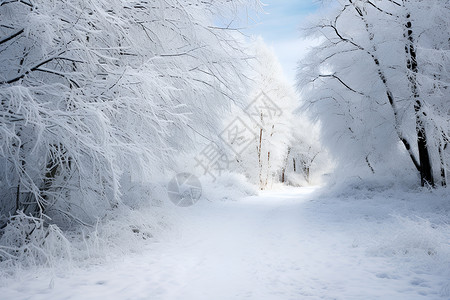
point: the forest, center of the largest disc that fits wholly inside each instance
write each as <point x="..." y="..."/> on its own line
<point x="126" y="124"/>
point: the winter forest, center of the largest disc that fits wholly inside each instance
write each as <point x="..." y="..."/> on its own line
<point x="191" y="149"/>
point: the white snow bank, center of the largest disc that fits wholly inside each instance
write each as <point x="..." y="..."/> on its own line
<point x="145" y="214"/>
<point x="227" y="186"/>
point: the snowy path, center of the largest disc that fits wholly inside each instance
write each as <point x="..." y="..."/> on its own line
<point x="280" y="245"/>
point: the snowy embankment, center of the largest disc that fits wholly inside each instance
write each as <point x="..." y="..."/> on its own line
<point x="287" y="244"/>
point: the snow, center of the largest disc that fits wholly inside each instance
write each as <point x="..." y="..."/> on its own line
<point x="292" y="243"/>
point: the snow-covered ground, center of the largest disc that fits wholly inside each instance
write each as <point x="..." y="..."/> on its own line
<point x="285" y="244"/>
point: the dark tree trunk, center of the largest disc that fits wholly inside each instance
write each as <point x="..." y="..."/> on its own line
<point x="442" y="147"/>
<point x="426" y="170"/>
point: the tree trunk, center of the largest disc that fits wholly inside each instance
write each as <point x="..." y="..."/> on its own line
<point x="268" y="169"/>
<point x="259" y="159"/>
<point x="426" y="170"/>
<point x="442" y="147"/>
<point x="283" y="171"/>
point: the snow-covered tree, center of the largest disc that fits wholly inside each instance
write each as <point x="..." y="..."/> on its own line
<point x="281" y="148"/>
<point x="379" y="84"/>
<point x="307" y="161"/>
<point x="93" y="91"/>
<point x="269" y="116"/>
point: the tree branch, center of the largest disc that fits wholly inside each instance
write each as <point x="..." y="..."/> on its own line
<point x="342" y="82"/>
<point x="4" y="40"/>
<point x="35" y="68"/>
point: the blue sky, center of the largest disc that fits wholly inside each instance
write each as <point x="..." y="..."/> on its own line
<point x="279" y="26"/>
